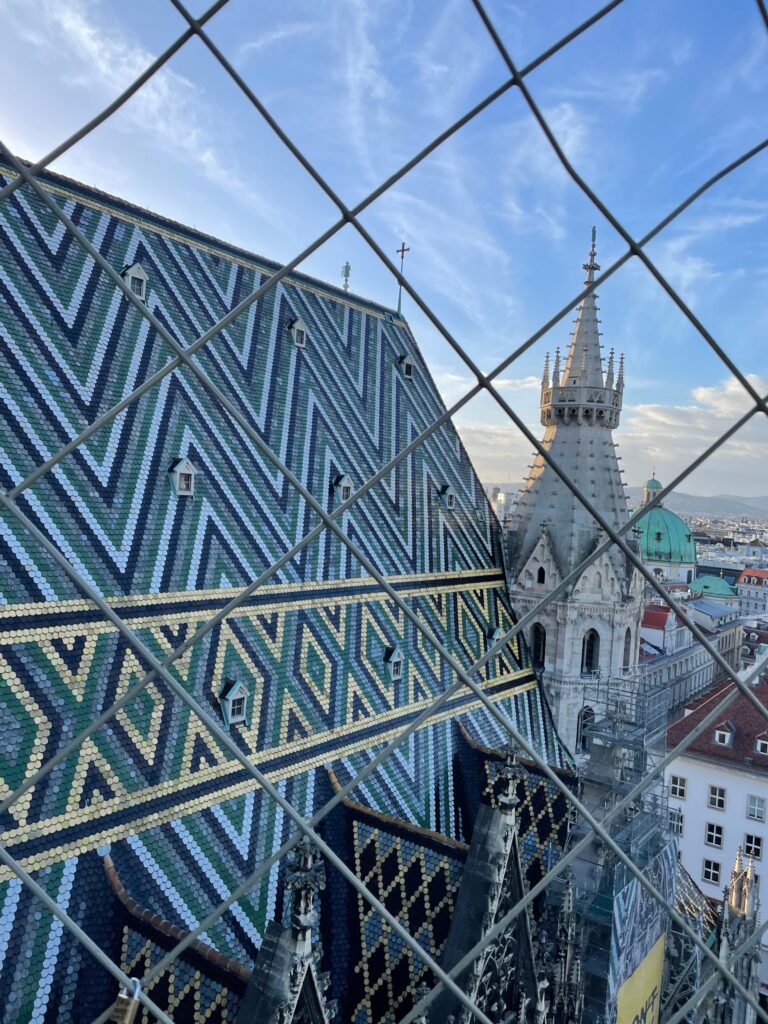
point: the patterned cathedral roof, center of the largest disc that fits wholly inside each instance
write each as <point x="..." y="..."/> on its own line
<point x="168" y="512"/>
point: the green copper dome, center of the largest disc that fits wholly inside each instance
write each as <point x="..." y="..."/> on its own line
<point x="663" y="536"/>
<point x="712" y="586"/>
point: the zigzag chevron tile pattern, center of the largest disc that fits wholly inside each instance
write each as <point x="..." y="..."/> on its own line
<point x="182" y="821"/>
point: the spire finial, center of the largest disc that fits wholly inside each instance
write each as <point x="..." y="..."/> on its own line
<point x="609" y="373"/>
<point x="401" y="253"/>
<point x="592" y="265"/>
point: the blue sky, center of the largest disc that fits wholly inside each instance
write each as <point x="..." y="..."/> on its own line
<point x="648" y="104"/>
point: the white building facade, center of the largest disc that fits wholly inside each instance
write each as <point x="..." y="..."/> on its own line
<point x="718" y="796"/>
<point x="752" y="588"/>
<point x="671" y="656"/>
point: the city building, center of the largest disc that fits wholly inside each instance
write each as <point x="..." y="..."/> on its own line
<point x="754" y="640"/>
<point x="666" y="541"/>
<point x="718" y="794"/>
<point x="752" y="588"/>
<point x="721" y="622"/>
<point x="671" y="657"/>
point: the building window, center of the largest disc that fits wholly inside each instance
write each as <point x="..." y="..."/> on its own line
<point x="675" y="821"/>
<point x="762" y="746"/>
<point x="627" y="648"/>
<point x="538" y="644"/>
<point x="753" y="846"/>
<point x="448" y="497"/>
<point x="393" y="660"/>
<point x="714" y="834"/>
<point x="590" y="651"/>
<point x="495" y="635"/>
<point x="711" y="872"/>
<point x="756" y="807"/>
<point x="136" y="279"/>
<point x="677" y="787"/>
<point x="343" y="486"/>
<point x="234" y="702"/>
<point x="541" y="576"/>
<point x="406" y="365"/>
<point x="723" y="736"/>
<point x="298" y="331"/>
<point x="182" y="474"/>
<point x="716" y="798"/>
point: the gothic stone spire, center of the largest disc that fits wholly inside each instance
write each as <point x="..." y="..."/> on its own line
<point x="579" y="408"/>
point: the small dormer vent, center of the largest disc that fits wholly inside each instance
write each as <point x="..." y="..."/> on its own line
<point x="183" y="474"/>
<point x="137" y="279"/>
<point x="298" y="331"/>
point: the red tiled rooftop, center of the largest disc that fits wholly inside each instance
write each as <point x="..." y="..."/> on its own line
<point x="760" y="574"/>
<point x="655" y="616"/>
<point x="745" y="719"/>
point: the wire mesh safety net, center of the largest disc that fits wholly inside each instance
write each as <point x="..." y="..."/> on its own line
<point x="332" y="534"/>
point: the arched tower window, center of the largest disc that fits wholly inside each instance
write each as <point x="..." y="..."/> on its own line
<point x="541" y="576"/>
<point x="538" y="644"/>
<point x="590" y="651"/>
<point x="627" y="648"/>
<point x="586" y="719"/>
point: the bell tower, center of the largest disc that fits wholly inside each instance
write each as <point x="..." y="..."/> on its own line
<point x="591" y="632"/>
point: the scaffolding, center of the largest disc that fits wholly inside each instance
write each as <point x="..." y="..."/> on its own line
<point x="623" y="725"/>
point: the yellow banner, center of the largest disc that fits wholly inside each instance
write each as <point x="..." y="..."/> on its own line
<point x="639" y="996"/>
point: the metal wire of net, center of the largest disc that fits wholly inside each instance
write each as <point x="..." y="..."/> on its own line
<point x="466" y="675"/>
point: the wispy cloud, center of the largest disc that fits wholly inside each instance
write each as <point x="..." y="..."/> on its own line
<point x="369" y="94"/>
<point x="533" y="179"/>
<point x="518" y="383"/>
<point x="626" y="89"/>
<point x="448" y="61"/>
<point x="749" y="69"/>
<point x="663" y="434"/>
<point x="680" y="256"/>
<point x="272" y="37"/>
<point x="170" y="110"/>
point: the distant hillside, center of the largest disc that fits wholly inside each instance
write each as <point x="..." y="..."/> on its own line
<point x="713" y="505"/>
<point x="728" y="505"/>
